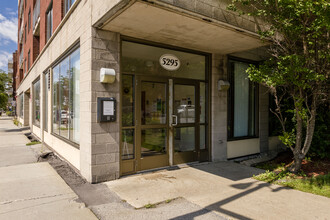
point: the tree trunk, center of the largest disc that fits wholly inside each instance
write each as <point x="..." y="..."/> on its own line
<point x="295" y="167"/>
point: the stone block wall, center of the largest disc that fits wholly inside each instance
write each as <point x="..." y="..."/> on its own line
<point x="105" y="135"/>
<point x="218" y="109"/>
<point x="216" y="9"/>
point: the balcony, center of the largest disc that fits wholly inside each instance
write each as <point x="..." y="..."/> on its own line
<point x="21" y="59"/>
<point x="36" y="19"/>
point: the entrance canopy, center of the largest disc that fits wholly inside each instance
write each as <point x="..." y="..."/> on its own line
<point x="177" y="28"/>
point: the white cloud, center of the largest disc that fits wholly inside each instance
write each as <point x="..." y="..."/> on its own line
<point x="2" y="17"/>
<point x="4" y="57"/>
<point x="8" y="28"/>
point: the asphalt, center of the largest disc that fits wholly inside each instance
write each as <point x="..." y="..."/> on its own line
<point x="31" y="190"/>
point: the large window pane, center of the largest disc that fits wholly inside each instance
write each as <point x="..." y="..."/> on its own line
<point x="202" y="100"/>
<point x="56" y="100"/>
<point x="36" y="103"/>
<point x="184" y="103"/>
<point x="153" y="103"/>
<point x="243" y="101"/>
<point x="21" y="104"/>
<point x="153" y="142"/>
<point x="46" y="78"/>
<point x="144" y="59"/>
<point x="128" y="100"/>
<point x="66" y="97"/>
<point x="184" y="139"/>
<point x="49" y="26"/>
<point x="127" y="144"/>
<point x="202" y="137"/>
<point x="74" y="96"/>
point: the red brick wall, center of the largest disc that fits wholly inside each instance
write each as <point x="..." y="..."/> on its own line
<point x="33" y="43"/>
<point x="57" y="18"/>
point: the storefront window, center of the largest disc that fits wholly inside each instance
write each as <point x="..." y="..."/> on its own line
<point x="36" y="103"/>
<point x="242" y="102"/>
<point x="21" y="104"/>
<point x="144" y="59"/>
<point x="46" y="78"/>
<point x="66" y="97"/>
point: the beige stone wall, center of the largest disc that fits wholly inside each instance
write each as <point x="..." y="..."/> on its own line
<point x="216" y="9"/>
<point x="243" y="147"/>
<point x="218" y="109"/>
<point x="75" y="27"/>
<point x="105" y="145"/>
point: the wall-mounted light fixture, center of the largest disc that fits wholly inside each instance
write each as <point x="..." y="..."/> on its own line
<point x="223" y="85"/>
<point x="107" y="75"/>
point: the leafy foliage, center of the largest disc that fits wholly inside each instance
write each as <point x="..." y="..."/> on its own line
<point x="298" y="67"/>
<point x="4" y="80"/>
<point x="319" y="185"/>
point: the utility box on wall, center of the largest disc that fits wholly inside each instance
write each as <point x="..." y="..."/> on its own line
<point x="106" y="109"/>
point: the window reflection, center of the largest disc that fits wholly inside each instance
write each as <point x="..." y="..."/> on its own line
<point x="140" y="58"/>
<point x="36" y="102"/>
<point x="128" y="100"/>
<point x="127" y="144"/>
<point x="66" y="97"/>
<point x="153" y="142"/>
<point x="153" y="99"/>
<point x="184" y="103"/>
<point x="184" y="139"/>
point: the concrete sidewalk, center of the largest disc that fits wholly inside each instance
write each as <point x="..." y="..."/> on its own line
<point x="30" y="190"/>
<point x="224" y="188"/>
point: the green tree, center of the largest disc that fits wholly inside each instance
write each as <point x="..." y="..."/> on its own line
<point x="298" y="67"/>
<point x="4" y="80"/>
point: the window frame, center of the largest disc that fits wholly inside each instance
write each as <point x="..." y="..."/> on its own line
<point x="231" y="101"/>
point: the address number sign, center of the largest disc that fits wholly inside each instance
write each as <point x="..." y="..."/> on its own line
<point x="169" y="62"/>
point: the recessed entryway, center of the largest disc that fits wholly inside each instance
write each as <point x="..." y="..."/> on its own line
<point x="164" y="109"/>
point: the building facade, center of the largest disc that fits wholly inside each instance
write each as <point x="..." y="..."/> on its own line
<point x="117" y="87"/>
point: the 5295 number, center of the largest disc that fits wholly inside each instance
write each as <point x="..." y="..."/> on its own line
<point x="169" y="62"/>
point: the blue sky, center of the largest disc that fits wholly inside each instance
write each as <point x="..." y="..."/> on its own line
<point x="8" y="31"/>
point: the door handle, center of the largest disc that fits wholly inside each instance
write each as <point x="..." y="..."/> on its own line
<point x="174" y="118"/>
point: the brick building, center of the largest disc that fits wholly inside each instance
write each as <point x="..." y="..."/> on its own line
<point x="120" y="86"/>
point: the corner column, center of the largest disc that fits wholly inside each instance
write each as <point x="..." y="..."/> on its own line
<point x="105" y="147"/>
<point x="218" y="109"/>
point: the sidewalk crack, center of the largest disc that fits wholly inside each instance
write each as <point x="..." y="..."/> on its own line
<point x="35" y="198"/>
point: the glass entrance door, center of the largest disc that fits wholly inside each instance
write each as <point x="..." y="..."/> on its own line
<point x="152" y="148"/>
<point x="168" y="126"/>
<point x="184" y="121"/>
